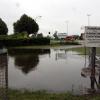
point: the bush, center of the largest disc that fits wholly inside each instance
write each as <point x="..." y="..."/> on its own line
<point x="70" y="43"/>
<point x="24" y="42"/>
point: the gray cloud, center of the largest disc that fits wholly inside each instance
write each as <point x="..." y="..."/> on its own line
<point x="54" y="13"/>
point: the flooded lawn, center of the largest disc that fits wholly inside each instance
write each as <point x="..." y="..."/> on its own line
<point x="53" y="70"/>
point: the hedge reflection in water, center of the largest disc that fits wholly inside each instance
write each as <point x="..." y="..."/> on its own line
<point x="27" y="59"/>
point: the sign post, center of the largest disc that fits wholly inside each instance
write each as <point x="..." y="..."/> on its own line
<point x="92" y="36"/>
<point x="92" y="39"/>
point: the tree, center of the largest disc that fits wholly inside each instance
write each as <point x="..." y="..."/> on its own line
<point x="3" y="28"/>
<point x="55" y="35"/>
<point x="26" y="24"/>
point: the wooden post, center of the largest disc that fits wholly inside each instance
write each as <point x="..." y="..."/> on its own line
<point x="93" y="54"/>
<point x="92" y="77"/>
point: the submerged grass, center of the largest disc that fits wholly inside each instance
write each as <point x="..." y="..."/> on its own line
<point x="83" y="50"/>
<point x="43" y="95"/>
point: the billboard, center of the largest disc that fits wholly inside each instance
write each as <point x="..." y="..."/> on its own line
<point x="92" y="36"/>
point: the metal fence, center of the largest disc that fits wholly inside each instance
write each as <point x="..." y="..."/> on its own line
<point x="3" y="76"/>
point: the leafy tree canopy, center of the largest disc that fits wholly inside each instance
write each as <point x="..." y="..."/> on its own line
<point x="26" y="24"/>
<point x="55" y="35"/>
<point x="3" y="28"/>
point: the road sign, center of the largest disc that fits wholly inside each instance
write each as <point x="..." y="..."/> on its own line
<point x="92" y="36"/>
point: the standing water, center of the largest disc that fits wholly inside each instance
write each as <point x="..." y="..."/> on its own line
<point x="53" y="70"/>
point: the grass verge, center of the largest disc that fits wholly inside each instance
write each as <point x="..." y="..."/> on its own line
<point x="43" y="95"/>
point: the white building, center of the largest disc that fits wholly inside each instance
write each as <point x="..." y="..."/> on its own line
<point x="62" y="35"/>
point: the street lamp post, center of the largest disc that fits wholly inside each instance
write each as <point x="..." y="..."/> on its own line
<point x="88" y="15"/>
<point x="67" y="26"/>
<point x="88" y="19"/>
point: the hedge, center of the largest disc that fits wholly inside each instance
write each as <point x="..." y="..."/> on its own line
<point x="24" y="42"/>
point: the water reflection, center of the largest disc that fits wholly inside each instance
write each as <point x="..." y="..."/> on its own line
<point x="62" y="54"/>
<point x="3" y="75"/>
<point x="26" y="63"/>
<point x="27" y="59"/>
<point x="54" y="70"/>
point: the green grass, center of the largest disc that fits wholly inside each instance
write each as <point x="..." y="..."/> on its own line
<point x="82" y="50"/>
<point x="43" y="95"/>
<point x="63" y="42"/>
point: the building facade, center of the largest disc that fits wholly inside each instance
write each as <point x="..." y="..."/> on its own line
<point x="62" y="35"/>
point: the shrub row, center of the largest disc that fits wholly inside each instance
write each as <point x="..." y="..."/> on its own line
<point x="24" y="42"/>
<point x="70" y="43"/>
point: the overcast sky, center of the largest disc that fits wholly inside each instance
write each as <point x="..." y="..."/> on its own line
<point x="55" y="13"/>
